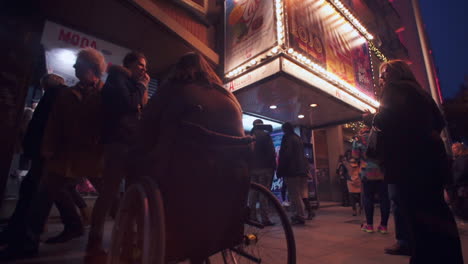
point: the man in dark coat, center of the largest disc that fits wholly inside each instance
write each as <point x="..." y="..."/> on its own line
<point x="32" y="141"/>
<point x="123" y="97"/>
<point x="263" y="166"/>
<point x="292" y="167"/>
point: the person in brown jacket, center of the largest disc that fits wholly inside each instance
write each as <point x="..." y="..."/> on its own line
<point x="71" y="149"/>
<point x="192" y="142"/>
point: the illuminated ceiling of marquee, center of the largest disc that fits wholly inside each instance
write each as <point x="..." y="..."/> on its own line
<point x="293" y="98"/>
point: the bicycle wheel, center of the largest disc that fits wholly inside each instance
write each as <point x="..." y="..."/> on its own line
<point x="268" y="236"/>
<point x="138" y="234"/>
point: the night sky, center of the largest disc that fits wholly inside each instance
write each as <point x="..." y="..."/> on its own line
<point x="447" y="26"/>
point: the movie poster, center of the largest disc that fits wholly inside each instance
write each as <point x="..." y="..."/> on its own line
<point x="318" y="31"/>
<point x="250" y="30"/>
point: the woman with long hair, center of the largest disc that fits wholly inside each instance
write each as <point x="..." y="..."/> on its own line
<point x="192" y="142"/>
<point x="414" y="159"/>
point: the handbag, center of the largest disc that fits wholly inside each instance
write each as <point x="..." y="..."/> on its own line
<point x="374" y="145"/>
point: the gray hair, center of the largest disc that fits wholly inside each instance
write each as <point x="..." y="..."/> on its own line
<point x="94" y="59"/>
<point x="51" y="80"/>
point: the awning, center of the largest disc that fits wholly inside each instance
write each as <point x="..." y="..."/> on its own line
<point x="313" y="67"/>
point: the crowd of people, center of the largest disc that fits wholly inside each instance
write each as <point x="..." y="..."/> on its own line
<point x="108" y="132"/>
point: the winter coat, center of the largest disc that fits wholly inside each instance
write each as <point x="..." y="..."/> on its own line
<point x="460" y="170"/>
<point x="264" y="155"/>
<point x="34" y="134"/>
<point x="354" y="180"/>
<point x="191" y="141"/>
<point x="72" y="144"/>
<point x="291" y="160"/>
<point x="122" y="99"/>
<point x="369" y="170"/>
<point x="410" y="124"/>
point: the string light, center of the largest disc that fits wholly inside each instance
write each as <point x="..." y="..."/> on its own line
<point x="305" y="61"/>
<point x="333" y="78"/>
<point x="253" y="62"/>
<point x="377" y="52"/>
<point x="352" y="19"/>
<point x="279" y="6"/>
<point x="355" y="125"/>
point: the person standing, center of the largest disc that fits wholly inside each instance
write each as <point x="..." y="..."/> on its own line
<point x="354" y="185"/>
<point x="458" y="192"/>
<point x="292" y="167"/>
<point x="123" y="97"/>
<point x="71" y="149"/>
<point x="262" y="168"/>
<point x="342" y="173"/>
<point x="413" y="158"/>
<point x="372" y="183"/>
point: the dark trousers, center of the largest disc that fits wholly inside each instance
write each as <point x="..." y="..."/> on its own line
<point x="402" y="233"/>
<point x="355" y="199"/>
<point x="114" y="173"/>
<point x="370" y="189"/>
<point x="76" y="196"/>
<point x="27" y="192"/>
<point x="344" y="193"/>
<point x="53" y="188"/>
<point x="432" y="227"/>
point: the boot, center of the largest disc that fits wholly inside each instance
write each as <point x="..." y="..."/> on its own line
<point x="308" y="207"/>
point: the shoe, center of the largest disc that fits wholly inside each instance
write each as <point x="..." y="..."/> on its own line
<point x="65" y="236"/>
<point x="297" y="220"/>
<point x="397" y="249"/>
<point x="382" y="229"/>
<point x="367" y="228"/>
<point x="268" y="223"/>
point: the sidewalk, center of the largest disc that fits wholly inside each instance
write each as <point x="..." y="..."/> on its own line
<point x="333" y="237"/>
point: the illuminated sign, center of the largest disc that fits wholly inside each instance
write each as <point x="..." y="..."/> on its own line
<point x="254" y="76"/>
<point x="325" y="43"/>
<point x="321" y="34"/>
<point x="62" y="44"/>
<point x="250" y="30"/>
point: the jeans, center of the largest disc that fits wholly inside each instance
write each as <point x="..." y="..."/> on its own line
<point x="265" y="178"/>
<point x="402" y="234"/>
<point x="370" y="189"/>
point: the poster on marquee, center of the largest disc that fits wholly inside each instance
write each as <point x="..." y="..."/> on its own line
<point x="249" y="30"/>
<point x="318" y="31"/>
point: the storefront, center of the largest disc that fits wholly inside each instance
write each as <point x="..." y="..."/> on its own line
<point x="310" y="63"/>
<point x="51" y="32"/>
